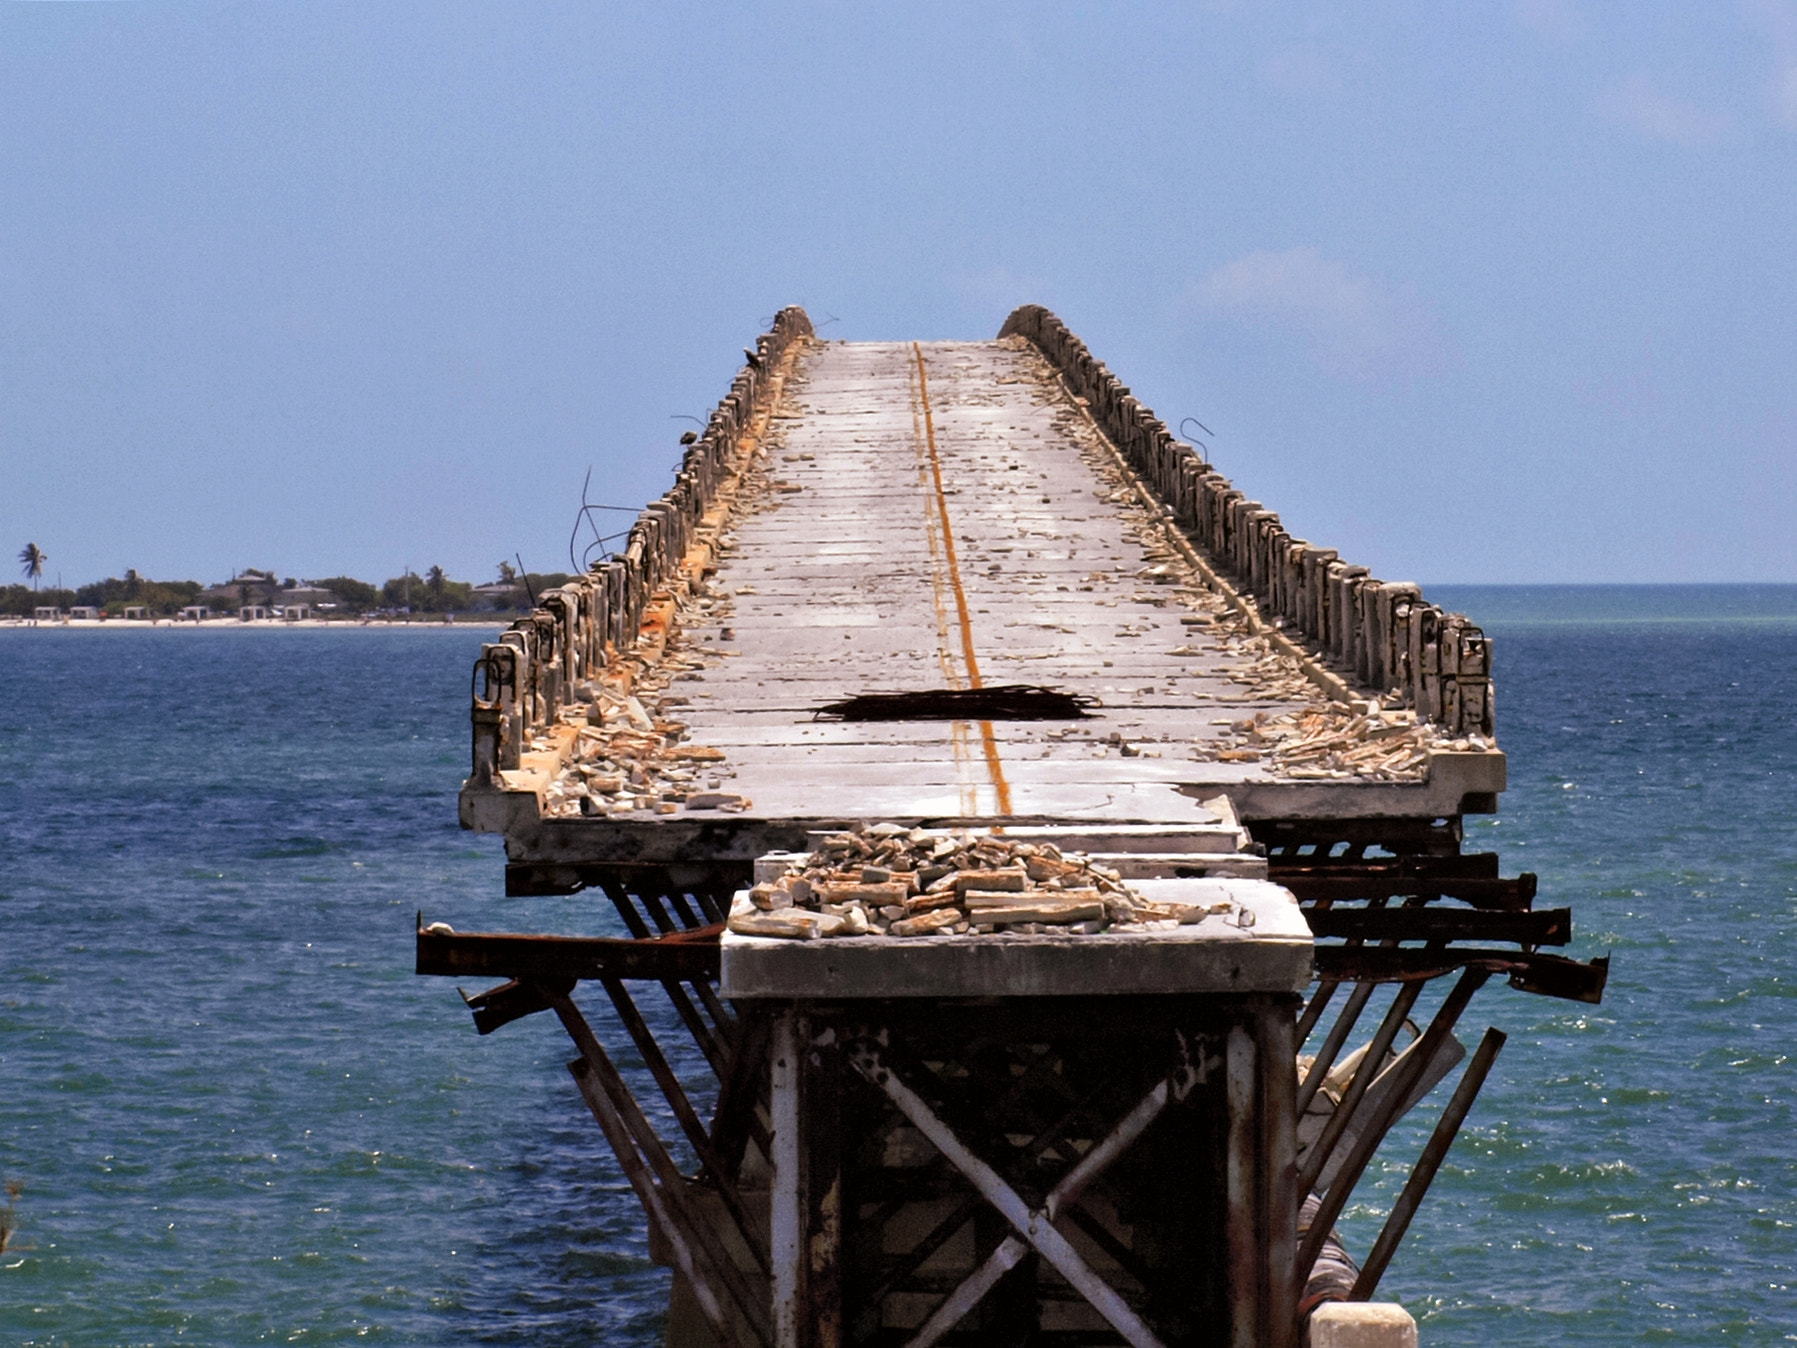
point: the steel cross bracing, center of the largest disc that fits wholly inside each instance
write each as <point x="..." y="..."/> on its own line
<point x="743" y="1267"/>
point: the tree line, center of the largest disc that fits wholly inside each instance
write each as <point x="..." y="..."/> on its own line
<point x="434" y="592"/>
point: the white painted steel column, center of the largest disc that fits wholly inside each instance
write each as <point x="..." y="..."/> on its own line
<point x="787" y="1206"/>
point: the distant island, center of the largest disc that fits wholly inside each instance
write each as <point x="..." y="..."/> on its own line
<point x="257" y="595"/>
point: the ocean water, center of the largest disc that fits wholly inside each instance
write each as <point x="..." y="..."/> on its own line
<point x="239" y="1118"/>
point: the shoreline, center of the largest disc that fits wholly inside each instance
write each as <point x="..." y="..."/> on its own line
<point x="239" y="625"/>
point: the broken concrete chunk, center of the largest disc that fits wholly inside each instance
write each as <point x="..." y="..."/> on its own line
<point x="1050" y="910"/>
<point x="714" y="800"/>
<point x="929" y="902"/>
<point x="1049" y="914"/>
<point x="790" y="924"/>
<point x="1042" y="869"/>
<point x="976" y="901"/>
<point x="1194" y="913"/>
<point x="892" y="892"/>
<point x="926" y="923"/>
<point x="1013" y="881"/>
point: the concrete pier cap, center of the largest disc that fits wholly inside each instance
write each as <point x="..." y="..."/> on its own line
<point x="1361" y="1324"/>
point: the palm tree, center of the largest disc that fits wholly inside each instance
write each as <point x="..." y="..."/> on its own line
<point x="34" y="558"/>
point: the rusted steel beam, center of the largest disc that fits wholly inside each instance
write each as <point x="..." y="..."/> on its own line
<point x="703" y="1035"/>
<point x="640" y="1134"/>
<point x="660" y="909"/>
<point x="1370" y="1067"/>
<point x="1313" y="1011"/>
<point x="736" y="1124"/>
<point x="513" y="1000"/>
<point x="1498" y="895"/>
<point x="1549" y="975"/>
<point x="654" y="1202"/>
<point x="1546" y="926"/>
<point x="1341" y="1188"/>
<point x="1284" y="837"/>
<point x="1466" y="866"/>
<point x="684" y="955"/>
<point x="1332" y="1045"/>
<point x="1422" y="1174"/>
<point x="686" y="1116"/>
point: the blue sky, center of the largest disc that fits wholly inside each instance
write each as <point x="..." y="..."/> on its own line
<point x="1480" y="293"/>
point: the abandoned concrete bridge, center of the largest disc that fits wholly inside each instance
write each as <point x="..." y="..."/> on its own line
<point x="1001" y="802"/>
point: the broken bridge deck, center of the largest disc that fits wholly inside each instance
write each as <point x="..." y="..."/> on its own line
<point x="949" y="515"/>
<point x="1005" y="1132"/>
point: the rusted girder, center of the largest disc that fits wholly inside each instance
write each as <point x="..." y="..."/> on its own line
<point x="1549" y="975"/>
<point x="1548" y="926"/>
<point x="1495" y="894"/>
<point x="679" y="956"/>
<point x="1464" y="866"/>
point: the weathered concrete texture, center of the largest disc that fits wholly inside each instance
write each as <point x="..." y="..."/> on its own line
<point x="1361" y="1324"/>
<point x="949" y="520"/>
<point x="1269" y="950"/>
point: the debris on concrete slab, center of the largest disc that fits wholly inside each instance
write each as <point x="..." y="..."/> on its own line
<point x="887" y="880"/>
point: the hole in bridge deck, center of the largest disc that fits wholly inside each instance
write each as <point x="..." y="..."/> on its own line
<point x="1007" y="702"/>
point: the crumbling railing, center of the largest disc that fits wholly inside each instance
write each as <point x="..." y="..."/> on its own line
<point x="540" y="661"/>
<point x="1381" y="634"/>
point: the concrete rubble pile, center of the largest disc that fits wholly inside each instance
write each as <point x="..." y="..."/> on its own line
<point x="1372" y="738"/>
<point x="889" y="881"/>
<point x="1379" y="634"/>
<point x="629" y="756"/>
<point x="1331" y="741"/>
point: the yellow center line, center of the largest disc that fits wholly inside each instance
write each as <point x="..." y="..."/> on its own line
<point x="951" y="673"/>
<point x="994" y="768"/>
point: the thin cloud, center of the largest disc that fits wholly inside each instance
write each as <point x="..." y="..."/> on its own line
<point x="1354" y="325"/>
<point x="1640" y="106"/>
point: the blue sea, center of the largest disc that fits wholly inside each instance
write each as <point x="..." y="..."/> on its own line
<point x="239" y="1118"/>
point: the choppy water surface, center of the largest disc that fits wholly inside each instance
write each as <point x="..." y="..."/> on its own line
<point x="240" y="1119"/>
